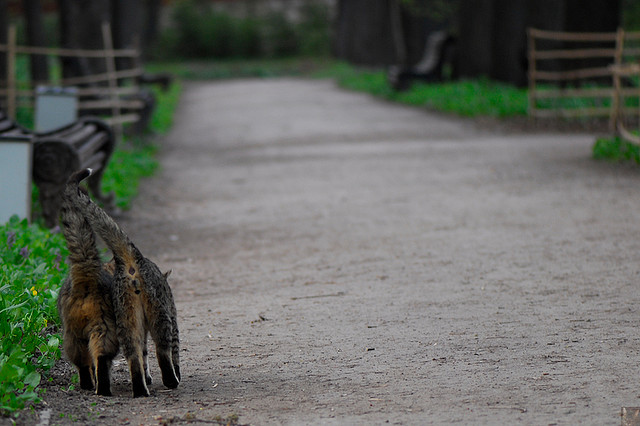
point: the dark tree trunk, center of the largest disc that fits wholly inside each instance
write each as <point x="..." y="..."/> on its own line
<point x="81" y="28"/>
<point x="4" y="28"/>
<point x="547" y="14"/>
<point x="418" y="23"/>
<point x="592" y="15"/>
<point x="475" y="41"/>
<point x="364" y="32"/>
<point x="36" y="37"/>
<point x="126" y="27"/>
<point x="151" y="21"/>
<point x="492" y="39"/>
<point x="415" y="30"/>
<point x="509" y="42"/>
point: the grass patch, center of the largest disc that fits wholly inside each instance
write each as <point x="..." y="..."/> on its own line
<point x="32" y="269"/>
<point x="135" y="157"/>
<point x="166" y="104"/>
<point x="469" y="98"/>
<point x="616" y="149"/>
<point x="127" y="166"/>
<point x="240" y="68"/>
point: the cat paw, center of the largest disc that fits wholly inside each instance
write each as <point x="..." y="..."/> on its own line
<point x="140" y="390"/>
<point x="170" y="381"/>
<point x="103" y="392"/>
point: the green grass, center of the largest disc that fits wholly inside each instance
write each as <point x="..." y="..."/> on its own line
<point x="162" y="118"/>
<point x="240" y="68"/>
<point x="468" y="98"/>
<point x="616" y="149"/>
<point x="127" y="166"/>
<point x="32" y="269"/>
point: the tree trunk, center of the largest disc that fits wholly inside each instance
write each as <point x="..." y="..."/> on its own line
<point x="509" y="42"/>
<point x="475" y="42"/>
<point x="36" y="37"/>
<point x="364" y="32"/>
<point x="4" y="28"/>
<point x="127" y="22"/>
<point x="151" y="21"/>
<point x="492" y="38"/>
<point x="81" y="28"/>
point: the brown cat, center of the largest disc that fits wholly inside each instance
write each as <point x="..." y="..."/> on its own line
<point x="85" y="299"/>
<point x="142" y="302"/>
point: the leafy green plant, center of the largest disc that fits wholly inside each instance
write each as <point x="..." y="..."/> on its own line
<point x="31" y="272"/>
<point x="166" y="104"/>
<point x="202" y="31"/>
<point x="127" y="165"/>
<point x="616" y="149"/>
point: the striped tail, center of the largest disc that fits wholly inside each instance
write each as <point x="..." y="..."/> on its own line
<point x="84" y="257"/>
<point x="114" y="237"/>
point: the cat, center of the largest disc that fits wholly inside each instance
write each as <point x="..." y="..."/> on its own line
<point x="142" y="301"/>
<point x="85" y="299"/>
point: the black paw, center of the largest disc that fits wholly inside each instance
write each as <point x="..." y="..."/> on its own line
<point x="143" y="392"/>
<point x="170" y="381"/>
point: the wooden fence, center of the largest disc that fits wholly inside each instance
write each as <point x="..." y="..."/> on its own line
<point x="97" y="92"/>
<point x="561" y="86"/>
<point x="618" y="117"/>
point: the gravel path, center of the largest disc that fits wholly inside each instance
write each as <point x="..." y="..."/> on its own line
<point x="341" y="260"/>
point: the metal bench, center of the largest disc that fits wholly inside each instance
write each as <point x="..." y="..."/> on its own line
<point x="87" y="142"/>
<point x="437" y="51"/>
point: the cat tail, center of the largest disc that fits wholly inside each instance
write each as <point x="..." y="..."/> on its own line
<point x="84" y="257"/>
<point x="114" y="237"/>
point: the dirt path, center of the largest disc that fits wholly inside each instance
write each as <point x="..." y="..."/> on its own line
<point x="340" y="260"/>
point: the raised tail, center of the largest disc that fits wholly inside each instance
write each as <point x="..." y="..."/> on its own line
<point x="84" y="257"/>
<point x="79" y="176"/>
<point x="106" y="228"/>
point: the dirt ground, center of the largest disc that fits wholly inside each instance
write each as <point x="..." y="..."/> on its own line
<point x="342" y="260"/>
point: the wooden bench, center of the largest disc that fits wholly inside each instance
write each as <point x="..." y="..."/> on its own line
<point x="87" y="142"/>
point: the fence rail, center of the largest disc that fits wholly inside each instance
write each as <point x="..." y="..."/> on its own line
<point x="551" y="90"/>
<point x="104" y="87"/>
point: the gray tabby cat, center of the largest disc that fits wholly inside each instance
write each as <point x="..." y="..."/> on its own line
<point x="142" y="302"/>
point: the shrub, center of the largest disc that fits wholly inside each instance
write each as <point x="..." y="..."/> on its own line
<point x="314" y="33"/>
<point x="280" y="38"/>
<point x="200" y="31"/>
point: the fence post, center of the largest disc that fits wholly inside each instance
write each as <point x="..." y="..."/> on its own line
<point x="532" y="74"/>
<point x="11" y="72"/>
<point x="615" y="98"/>
<point x="109" y="56"/>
